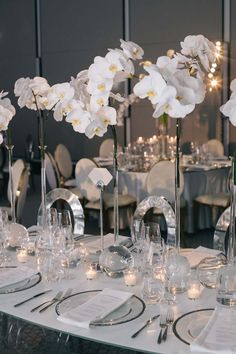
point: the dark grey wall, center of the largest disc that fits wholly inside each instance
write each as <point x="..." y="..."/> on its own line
<point x="75" y="31"/>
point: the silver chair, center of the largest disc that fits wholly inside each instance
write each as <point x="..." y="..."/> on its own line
<point x="64" y="163"/>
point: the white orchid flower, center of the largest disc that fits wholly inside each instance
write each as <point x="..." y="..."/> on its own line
<point x="99" y="87"/>
<point x="126" y="63"/>
<point x="79" y="119"/>
<point x="6" y="103"/>
<point x="63" y="108"/>
<point x="190" y="90"/>
<point x="229" y="110"/>
<point x="39" y="85"/>
<point x="201" y="47"/>
<point x="98" y="101"/>
<point x="166" y="66"/>
<point x="168" y="103"/>
<point x="150" y="86"/>
<point x="105" y="67"/>
<point x="131" y="49"/>
<point x="80" y="86"/>
<point x="96" y="127"/>
<point x="107" y="115"/>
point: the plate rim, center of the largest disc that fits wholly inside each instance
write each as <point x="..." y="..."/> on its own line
<point x="103" y="324"/>
<point x="25" y="288"/>
<point x="184" y="315"/>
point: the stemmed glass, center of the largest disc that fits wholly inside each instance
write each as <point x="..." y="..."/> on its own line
<point x="4" y="235"/>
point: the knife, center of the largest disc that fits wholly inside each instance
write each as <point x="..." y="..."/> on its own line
<point x="145" y="325"/>
<point x="32" y="297"/>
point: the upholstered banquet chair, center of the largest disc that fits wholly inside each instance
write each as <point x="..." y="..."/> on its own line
<point x="161" y="182"/>
<point x="53" y="175"/>
<point x="91" y="195"/>
<point x="214" y="147"/>
<point x="65" y="167"/>
<point x="215" y="202"/>
<point x="20" y="185"/>
<point x="106" y="148"/>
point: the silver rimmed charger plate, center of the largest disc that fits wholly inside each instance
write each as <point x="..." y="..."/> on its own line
<point x="188" y="326"/>
<point x="129" y="311"/>
<point x="21" y="285"/>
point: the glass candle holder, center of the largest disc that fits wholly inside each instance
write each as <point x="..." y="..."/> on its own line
<point x="22" y="255"/>
<point x="130" y="276"/>
<point x="91" y="271"/>
<point x="194" y="290"/>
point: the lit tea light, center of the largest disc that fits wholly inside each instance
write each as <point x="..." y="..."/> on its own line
<point x="21" y="255"/>
<point x="130" y="276"/>
<point x="194" y="291"/>
<point x="140" y="140"/>
<point x="159" y="273"/>
<point x="91" y="273"/>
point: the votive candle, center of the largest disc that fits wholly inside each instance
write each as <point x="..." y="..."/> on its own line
<point x="130" y="276"/>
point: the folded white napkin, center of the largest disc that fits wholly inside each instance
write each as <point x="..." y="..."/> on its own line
<point x="95" y="245"/>
<point x="96" y="308"/>
<point x="10" y="276"/>
<point x="219" y="335"/>
<point x="196" y="255"/>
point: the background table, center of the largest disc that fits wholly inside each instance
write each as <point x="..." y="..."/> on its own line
<point x="196" y="182"/>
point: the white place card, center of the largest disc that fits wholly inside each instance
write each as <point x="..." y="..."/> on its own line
<point x="95" y="245"/>
<point x="99" y="174"/>
<point x="96" y="308"/>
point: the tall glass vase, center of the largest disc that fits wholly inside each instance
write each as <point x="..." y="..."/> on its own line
<point x="10" y="148"/>
<point x="116" y="258"/>
<point x="177" y="266"/>
<point x="42" y="148"/>
<point x="226" y="293"/>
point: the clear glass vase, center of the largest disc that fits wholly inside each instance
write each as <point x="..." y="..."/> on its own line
<point x="116" y="258"/>
<point x="226" y="294"/>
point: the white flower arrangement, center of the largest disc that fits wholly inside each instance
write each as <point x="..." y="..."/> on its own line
<point x="173" y="85"/>
<point x="7" y="112"/>
<point x="229" y="108"/>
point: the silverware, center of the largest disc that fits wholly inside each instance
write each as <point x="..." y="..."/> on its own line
<point x="145" y="325"/>
<point x="32" y="297"/>
<point x="57" y="297"/>
<point x="67" y="293"/>
<point x="169" y="321"/>
<point x="162" y="325"/>
<point x="4" y="267"/>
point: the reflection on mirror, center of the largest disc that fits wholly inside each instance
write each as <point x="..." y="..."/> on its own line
<point x="72" y="201"/>
<point x="163" y="207"/>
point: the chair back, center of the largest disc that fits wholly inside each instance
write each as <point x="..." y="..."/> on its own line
<point x="17" y="170"/>
<point x="72" y="200"/>
<point x="20" y="184"/>
<point x="161" y="180"/>
<point x="52" y="173"/>
<point x="87" y="188"/>
<point x="63" y="159"/>
<point x="215" y="147"/>
<point x="107" y="147"/>
<point x="21" y="194"/>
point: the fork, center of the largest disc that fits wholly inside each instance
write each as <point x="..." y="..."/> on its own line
<point x="169" y="321"/>
<point x="67" y="293"/>
<point x="57" y="297"/>
<point x="163" y="325"/>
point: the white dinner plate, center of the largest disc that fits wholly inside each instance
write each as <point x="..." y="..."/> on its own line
<point x="188" y="326"/>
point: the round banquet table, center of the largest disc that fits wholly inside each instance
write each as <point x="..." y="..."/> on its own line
<point x="116" y="335"/>
<point x="197" y="181"/>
